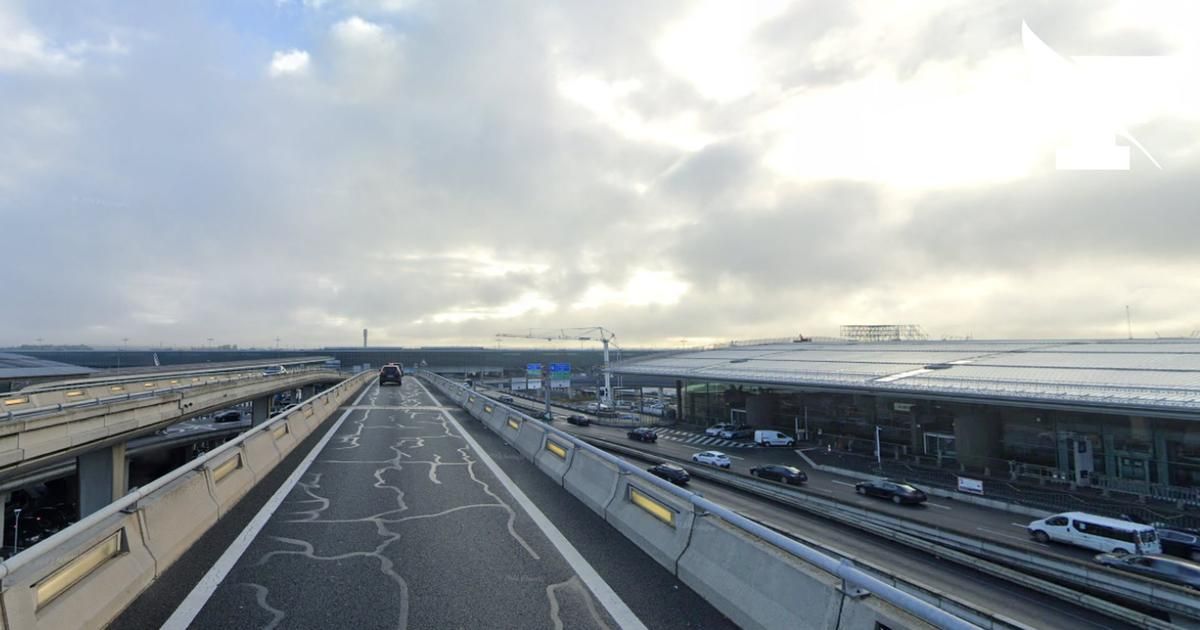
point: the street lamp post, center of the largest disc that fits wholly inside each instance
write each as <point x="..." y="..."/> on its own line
<point x="16" y="530"/>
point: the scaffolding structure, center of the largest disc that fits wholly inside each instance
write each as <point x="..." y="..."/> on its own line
<point x="883" y="332"/>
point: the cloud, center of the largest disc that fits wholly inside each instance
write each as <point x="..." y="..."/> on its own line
<point x="447" y="171"/>
<point x="289" y="62"/>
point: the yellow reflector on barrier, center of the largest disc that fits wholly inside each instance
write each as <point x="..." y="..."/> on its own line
<point x="514" y="423"/>
<point x="280" y="430"/>
<point x="174" y="381"/>
<point x="656" y="509"/>
<point x="116" y="388"/>
<point x="222" y="470"/>
<point x="556" y="448"/>
<point x="148" y="384"/>
<point x="16" y="401"/>
<point x="74" y="393"/>
<point x="470" y="399"/>
<point x="58" y="582"/>
<point x="488" y="408"/>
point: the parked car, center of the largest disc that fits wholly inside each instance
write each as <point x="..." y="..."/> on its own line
<point x="1162" y="568"/>
<point x="643" y="434"/>
<point x="508" y="400"/>
<point x="773" y="438"/>
<point x="712" y="458"/>
<point x="274" y="370"/>
<point x="786" y="474"/>
<point x="716" y="429"/>
<point x="578" y="419"/>
<point x="228" y="416"/>
<point x="735" y="432"/>
<point x="675" y="474"/>
<point x="897" y="491"/>
<point x="391" y="373"/>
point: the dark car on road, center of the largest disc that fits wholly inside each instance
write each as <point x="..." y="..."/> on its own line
<point x="1162" y="568"/>
<point x="786" y="474"/>
<point x="643" y="435"/>
<point x="1179" y="543"/>
<point x="675" y="474"/>
<point x="897" y="491"/>
<point x="579" y="419"/>
<point x="228" y="416"/>
<point x="391" y="373"/>
<point x="508" y="400"/>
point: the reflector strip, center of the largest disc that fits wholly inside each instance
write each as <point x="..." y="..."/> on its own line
<point x="83" y="565"/>
<point x="514" y="423"/>
<point x="556" y="448"/>
<point x="652" y="506"/>
<point x="222" y="470"/>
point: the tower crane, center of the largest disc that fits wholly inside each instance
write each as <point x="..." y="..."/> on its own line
<point x="594" y="333"/>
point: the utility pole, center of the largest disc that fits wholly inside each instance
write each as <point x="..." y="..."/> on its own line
<point x="1128" y="322"/>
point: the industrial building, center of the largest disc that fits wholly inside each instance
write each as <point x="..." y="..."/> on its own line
<point x="1122" y="415"/>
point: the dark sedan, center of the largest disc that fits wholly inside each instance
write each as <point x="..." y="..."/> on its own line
<point x="578" y="419"/>
<point x="897" y="491"/>
<point x="1179" y="543"/>
<point x="643" y="435"/>
<point x="786" y="474"/>
<point x="1162" y="568"/>
<point x="675" y="474"/>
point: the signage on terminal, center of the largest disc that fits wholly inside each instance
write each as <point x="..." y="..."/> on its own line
<point x="970" y="486"/>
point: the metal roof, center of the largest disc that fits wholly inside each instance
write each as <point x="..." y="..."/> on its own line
<point x="1158" y="375"/>
<point x="19" y="366"/>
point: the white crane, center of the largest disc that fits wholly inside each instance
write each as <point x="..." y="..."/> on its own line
<point x="594" y="333"/>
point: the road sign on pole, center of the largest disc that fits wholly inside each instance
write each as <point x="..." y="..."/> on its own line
<point x="560" y="375"/>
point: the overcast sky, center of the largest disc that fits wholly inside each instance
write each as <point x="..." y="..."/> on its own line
<point x="677" y="172"/>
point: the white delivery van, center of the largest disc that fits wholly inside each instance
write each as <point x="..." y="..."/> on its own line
<point x="1104" y="534"/>
<point x="773" y="438"/>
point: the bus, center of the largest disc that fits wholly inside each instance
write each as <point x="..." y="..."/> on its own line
<point x="1104" y="534"/>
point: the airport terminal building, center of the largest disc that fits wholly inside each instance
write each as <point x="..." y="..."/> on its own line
<point x="1123" y="415"/>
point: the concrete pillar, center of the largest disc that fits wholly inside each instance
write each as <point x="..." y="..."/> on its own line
<point x="103" y="477"/>
<point x="3" y="512"/>
<point x="308" y="391"/>
<point x="260" y="410"/>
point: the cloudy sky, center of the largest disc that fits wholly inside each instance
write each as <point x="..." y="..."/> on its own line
<point x="678" y="172"/>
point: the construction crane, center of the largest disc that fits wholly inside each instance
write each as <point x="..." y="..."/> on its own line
<point x="595" y="333"/>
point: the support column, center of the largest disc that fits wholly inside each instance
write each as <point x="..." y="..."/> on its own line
<point x="260" y="410"/>
<point x="308" y="391"/>
<point x="103" y="478"/>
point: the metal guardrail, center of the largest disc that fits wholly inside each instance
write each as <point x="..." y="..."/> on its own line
<point x="165" y="371"/>
<point x="131" y="500"/>
<point x="1160" y="595"/>
<point x="843" y="569"/>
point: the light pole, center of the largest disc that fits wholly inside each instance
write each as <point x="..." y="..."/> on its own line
<point x="16" y="530"/>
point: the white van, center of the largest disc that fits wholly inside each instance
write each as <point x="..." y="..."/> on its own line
<point x="773" y="438"/>
<point x="1106" y="535"/>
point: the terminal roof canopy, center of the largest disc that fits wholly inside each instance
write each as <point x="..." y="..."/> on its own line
<point x="1149" y="375"/>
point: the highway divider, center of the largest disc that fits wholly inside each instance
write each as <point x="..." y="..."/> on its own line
<point x="1000" y="560"/>
<point x="662" y="520"/>
<point x="86" y="574"/>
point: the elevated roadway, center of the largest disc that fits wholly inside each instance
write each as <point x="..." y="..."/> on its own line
<point x="410" y="514"/>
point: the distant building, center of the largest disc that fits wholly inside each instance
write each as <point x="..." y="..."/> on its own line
<point x="18" y="371"/>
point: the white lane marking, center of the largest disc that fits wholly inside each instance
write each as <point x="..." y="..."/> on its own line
<point x="204" y="589"/>
<point x="843" y="483"/>
<point x="938" y="506"/>
<point x="1020" y="538"/>
<point x="1021" y="525"/>
<point x="612" y="602"/>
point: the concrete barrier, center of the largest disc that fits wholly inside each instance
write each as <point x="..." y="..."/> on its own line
<point x="260" y="453"/>
<point x="177" y="516"/>
<point x="285" y="439"/>
<point x="553" y="462"/>
<point x="497" y="418"/>
<point x="507" y="431"/>
<point x="529" y="438"/>
<point x="229" y="479"/>
<point x="637" y="511"/>
<point x="591" y="480"/>
<point x="46" y="592"/>
<point x="872" y="613"/>
<point x="756" y="584"/>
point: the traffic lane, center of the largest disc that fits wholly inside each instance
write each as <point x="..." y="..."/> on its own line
<point x="1025" y="605"/>
<point x="978" y="521"/>
<point x="397" y="524"/>
<point x="656" y="596"/>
